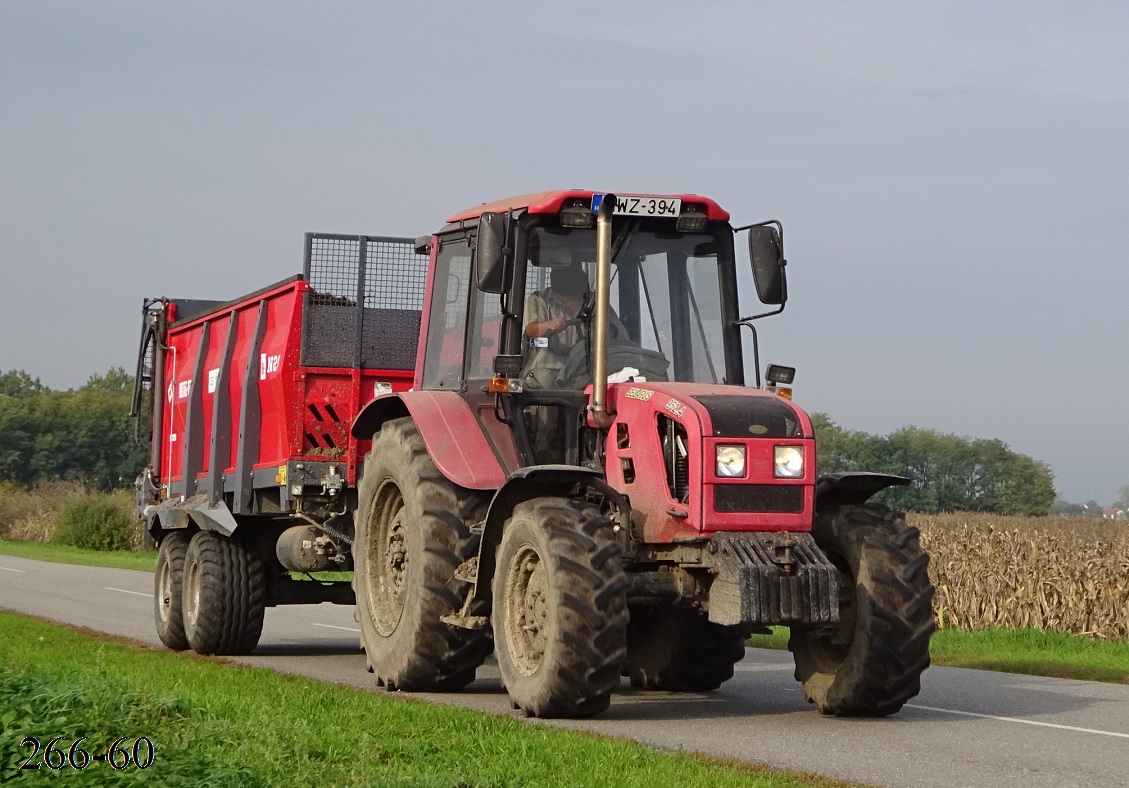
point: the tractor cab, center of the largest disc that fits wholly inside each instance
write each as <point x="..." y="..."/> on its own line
<point x="513" y="309"/>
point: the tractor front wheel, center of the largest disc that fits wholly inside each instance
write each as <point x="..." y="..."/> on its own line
<point x="871" y="663"/>
<point x="560" y="609"/>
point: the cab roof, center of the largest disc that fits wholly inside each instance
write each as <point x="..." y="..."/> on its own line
<point x="551" y="202"/>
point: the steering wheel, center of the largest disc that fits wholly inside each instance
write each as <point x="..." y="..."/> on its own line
<point x="555" y="343"/>
<point x="553" y="336"/>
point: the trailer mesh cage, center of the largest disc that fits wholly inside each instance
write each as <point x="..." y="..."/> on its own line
<point x="366" y="296"/>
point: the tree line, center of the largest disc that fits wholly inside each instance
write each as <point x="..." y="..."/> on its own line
<point x="86" y="434"/>
<point x="83" y="434"/>
<point x="948" y="473"/>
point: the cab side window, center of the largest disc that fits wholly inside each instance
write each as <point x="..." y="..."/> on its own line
<point x="446" y="331"/>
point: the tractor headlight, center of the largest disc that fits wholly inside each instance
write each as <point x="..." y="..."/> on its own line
<point x="730" y="461"/>
<point x="788" y="462"/>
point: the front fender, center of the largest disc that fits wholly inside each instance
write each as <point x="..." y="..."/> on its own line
<point x="452" y="434"/>
<point x="840" y="489"/>
<point x="524" y="484"/>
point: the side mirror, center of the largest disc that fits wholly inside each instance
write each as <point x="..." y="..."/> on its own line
<point x="491" y="252"/>
<point x="766" y="252"/>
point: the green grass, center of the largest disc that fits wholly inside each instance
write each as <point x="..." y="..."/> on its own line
<point x="218" y="724"/>
<point x="1035" y="652"/>
<point x="62" y="554"/>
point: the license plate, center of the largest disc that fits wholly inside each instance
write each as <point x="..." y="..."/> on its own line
<point x="641" y="205"/>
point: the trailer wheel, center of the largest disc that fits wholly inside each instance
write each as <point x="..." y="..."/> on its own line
<point x="680" y="650"/>
<point x="560" y="609"/>
<point x="168" y="595"/>
<point x="871" y="663"/>
<point x="413" y="532"/>
<point x="224" y="595"/>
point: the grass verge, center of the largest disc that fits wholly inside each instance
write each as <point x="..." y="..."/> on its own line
<point x="1035" y="652"/>
<point x="62" y="554"/>
<point x="218" y="724"/>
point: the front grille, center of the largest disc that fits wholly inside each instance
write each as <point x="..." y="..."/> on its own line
<point x="729" y="498"/>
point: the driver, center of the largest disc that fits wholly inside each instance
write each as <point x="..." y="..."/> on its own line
<point x="547" y="311"/>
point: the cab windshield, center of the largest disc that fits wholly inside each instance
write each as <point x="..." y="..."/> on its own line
<point x="666" y="322"/>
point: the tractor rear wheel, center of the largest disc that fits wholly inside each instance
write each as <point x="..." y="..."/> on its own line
<point x="560" y="609"/>
<point x="224" y="595"/>
<point x="168" y="593"/>
<point x="870" y="664"/>
<point x="680" y="650"/>
<point x="412" y="533"/>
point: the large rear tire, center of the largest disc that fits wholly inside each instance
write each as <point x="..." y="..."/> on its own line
<point x="224" y="595"/>
<point x="412" y="533"/>
<point x="680" y="650"/>
<point x="871" y="663"/>
<point x="560" y="609"/>
<point x="168" y="593"/>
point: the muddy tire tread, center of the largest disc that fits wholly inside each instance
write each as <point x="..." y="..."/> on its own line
<point x="882" y="667"/>
<point x="423" y="654"/>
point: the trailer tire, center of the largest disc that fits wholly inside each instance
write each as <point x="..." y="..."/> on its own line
<point x="412" y="533"/>
<point x="871" y="663"/>
<point x="560" y="609"/>
<point x="168" y="590"/>
<point x="680" y="650"/>
<point x="224" y="595"/>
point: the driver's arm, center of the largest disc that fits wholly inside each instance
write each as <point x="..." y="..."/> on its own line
<point x="539" y="328"/>
<point x="537" y="312"/>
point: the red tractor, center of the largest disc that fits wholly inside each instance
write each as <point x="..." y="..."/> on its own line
<point x="581" y="479"/>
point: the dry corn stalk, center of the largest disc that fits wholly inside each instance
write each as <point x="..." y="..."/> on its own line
<point x="1068" y="575"/>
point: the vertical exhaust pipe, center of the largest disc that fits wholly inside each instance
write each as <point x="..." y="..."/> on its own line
<point x="599" y="407"/>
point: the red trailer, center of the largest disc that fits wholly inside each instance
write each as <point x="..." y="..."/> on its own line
<point x="248" y="404"/>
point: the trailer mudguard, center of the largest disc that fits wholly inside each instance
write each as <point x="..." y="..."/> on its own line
<point x="453" y="436"/>
<point x="839" y="489"/>
<point x="174" y="513"/>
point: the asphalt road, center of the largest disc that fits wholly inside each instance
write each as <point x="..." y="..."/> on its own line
<point x="966" y="728"/>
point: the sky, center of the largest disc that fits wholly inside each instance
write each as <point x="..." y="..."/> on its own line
<point x="952" y="179"/>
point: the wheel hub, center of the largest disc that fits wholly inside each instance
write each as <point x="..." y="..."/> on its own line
<point x="390" y="563"/>
<point x="527" y="610"/>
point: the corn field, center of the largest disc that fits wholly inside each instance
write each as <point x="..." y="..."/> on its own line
<point x="1067" y="575"/>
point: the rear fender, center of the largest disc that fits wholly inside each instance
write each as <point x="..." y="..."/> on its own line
<point x="449" y="429"/>
<point x="839" y="489"/>
<point x="535" y="481"/>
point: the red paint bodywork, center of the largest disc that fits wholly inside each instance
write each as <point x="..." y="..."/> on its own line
<point x="648" y="491"/>
<point x="306" y="411"/>
<point x="455" y="439"/>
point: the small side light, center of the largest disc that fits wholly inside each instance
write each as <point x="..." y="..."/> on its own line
<point x="504" y="386"/>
